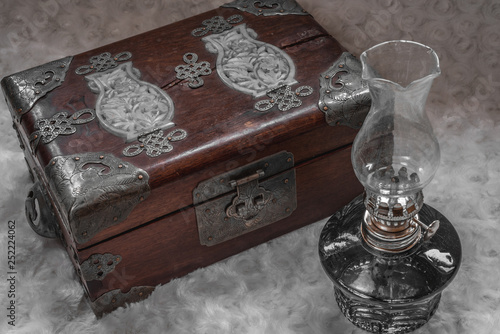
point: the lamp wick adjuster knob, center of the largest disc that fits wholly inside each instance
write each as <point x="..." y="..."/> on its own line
<point x="429" y="230"/>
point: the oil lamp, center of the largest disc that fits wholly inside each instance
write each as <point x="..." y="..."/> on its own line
<point x="388" y="254"/>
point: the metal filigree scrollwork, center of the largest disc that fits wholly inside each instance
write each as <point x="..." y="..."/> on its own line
<point x="284" y="98"/>
<point x="216" y="25"/>
<point x="344" y="95"/>
<point x="155" y="143"/>
<point x="103" y="62"/>
<point x="23" y="89"/>
<point x="96" y="190"/>
<point x="48" y="129"/>
<point x="193" y="70"/>
<point x="268" y="7"/>
<point x="248" y="65"/>
<point x="114" y="299"/>
<point x="97" y="266"/>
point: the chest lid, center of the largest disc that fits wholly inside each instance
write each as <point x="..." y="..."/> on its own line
<point x="124" y="134"/>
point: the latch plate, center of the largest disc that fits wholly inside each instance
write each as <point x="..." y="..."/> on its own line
<point x="245" y="199"/>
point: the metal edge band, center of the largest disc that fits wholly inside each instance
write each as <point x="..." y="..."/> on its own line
<point x="23" y="89"/>
<point x="114" y="299"/>
<point x="267" y="7"/>
<point x="96" y="190"/>
<point x="345" y="101"/>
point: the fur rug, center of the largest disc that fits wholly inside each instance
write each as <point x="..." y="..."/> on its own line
<point x="278" y="287"/>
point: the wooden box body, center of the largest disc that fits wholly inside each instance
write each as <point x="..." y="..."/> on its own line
<point x="128" y="211"/>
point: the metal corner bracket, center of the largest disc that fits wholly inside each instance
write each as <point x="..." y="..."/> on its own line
<point x="25" y="88"/>
<point x="344" y="95"/>
<point x="96" y="190"/>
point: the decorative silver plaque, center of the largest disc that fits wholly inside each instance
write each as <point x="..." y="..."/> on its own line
<point x="248" y="65"/>
<point x="128" y="106"/>
<point x="268" y="7"/>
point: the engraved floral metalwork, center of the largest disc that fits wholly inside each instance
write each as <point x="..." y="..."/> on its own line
<point x="193" y="70"/>
<point x="267" y="7"/>
<point x="96" y="190"/>
<point x="344" y="95"/>
<point x="216" y="25"/>
<point x="265" y="193"/>
<point x="248" y="65"/>
<point x="128" y="106"/>
<point x="155" y="143"/>
<point x="284" y="98"/>
<point x="103" y="62"/>
<point x="23" y="89"/>
<point x="114" y="299"/>
<point x="48" y="129"/>
<point x="97" y="266"/>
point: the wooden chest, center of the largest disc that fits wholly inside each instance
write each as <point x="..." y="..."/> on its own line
<point x="174" y="149"/>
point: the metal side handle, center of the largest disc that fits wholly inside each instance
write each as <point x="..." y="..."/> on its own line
<point x="39" y="213"/>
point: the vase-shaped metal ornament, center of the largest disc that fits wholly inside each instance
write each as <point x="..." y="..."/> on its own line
<point x="127" y="106"/>
<point x="248" y="65"/>
<point x="388" y="254"/>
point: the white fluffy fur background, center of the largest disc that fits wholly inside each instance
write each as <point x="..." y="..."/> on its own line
<point x="278" y="287"/>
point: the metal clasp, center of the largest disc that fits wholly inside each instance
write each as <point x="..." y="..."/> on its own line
<point x="245" y="199"/>
<point x="250" y="199"/>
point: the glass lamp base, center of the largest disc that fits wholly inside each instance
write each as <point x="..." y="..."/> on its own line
<point x="387" y="292"/>
<point x="397" y="318"/>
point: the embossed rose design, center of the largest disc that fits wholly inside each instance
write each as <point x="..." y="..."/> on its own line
<point x="129" y="106"/>
<point x="270" y="69"/>
<point x="249" y="65"/>
<point x="241" y="47"/>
